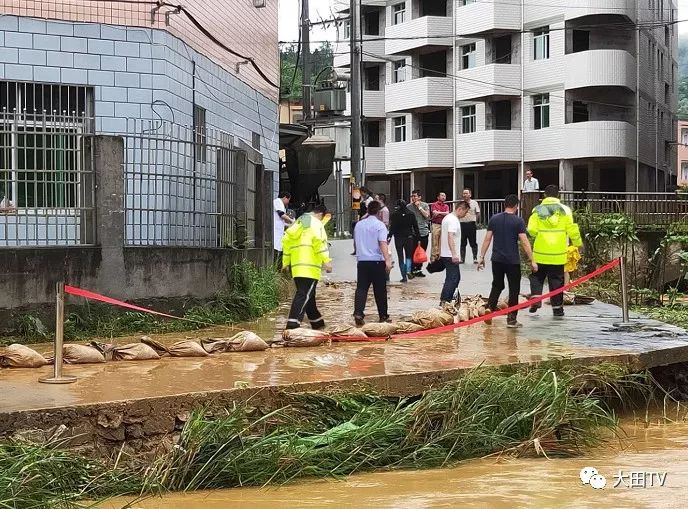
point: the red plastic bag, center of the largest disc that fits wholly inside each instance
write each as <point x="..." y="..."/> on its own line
<point x="419" y="255"/>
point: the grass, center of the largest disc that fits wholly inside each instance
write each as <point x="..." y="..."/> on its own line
<point x="557" y="411"/>
<point x="674" y="315"/>
<point x="250" y="293"/>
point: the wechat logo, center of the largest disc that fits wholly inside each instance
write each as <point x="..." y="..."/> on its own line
<point x="590" y="475"/>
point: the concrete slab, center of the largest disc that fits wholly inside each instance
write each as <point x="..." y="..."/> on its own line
<point x="173" y="386"/>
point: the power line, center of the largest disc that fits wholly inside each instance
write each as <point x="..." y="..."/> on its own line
<point x="607" y="26"/>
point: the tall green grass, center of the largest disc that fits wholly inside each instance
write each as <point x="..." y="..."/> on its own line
<point x="560" y="411"/>
<point x="250" y="293"/>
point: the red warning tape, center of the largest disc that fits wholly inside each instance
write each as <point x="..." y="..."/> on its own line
<point x="79" y="292"/>
<point x="494" y="314"/>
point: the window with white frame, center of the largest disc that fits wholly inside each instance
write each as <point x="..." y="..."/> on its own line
<point x="399" y="129"/>
<point x="468" y="56"/>
<point x="466" y="2"/>
<point x="346" y="29"/>
<point x="684" y="136"/>
<point x="468" y="119"/>
<point x="201" y="145"/>
<point x="399" y="68"/>
<point x="398" y="13"/>
<point x="541" y="111"/>
<point x="684" y="171"/>
<point x="41" y="144"/>
<point x="541" y="44"/>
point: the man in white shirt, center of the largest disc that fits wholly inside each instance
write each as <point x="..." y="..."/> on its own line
<point x="450" y="237"/>
<point x="280" y="220"/>
<point x="530" y="184"/>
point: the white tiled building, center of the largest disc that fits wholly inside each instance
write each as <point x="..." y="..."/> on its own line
<point x="563" y="87"/>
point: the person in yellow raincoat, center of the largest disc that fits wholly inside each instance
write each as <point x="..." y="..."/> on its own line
<point x="305" y="254"/>
<point x="552" y="227"/>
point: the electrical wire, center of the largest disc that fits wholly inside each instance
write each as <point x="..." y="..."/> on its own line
<point x="298" y="54"/>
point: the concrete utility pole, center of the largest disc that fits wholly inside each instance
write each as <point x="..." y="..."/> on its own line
<point x="306" y="59"/>
<point x="355" y="48"/>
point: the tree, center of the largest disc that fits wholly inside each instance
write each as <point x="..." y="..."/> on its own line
<point x="291" y="83"/>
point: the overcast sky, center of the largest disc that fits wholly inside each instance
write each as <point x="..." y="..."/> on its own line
<point x="289" y="11"/>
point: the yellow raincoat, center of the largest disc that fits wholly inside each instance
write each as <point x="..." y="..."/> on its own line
<point x="572" y="258"/>
<point x="551" y="225"/>
<point x="305" y="247"/>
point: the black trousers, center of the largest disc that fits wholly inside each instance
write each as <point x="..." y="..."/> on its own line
<point x="555" y="278"/>
<point x="371" y="273"/>
<point x="513" y="276"/>
<point x="278" y="259"/>
<point x="468" y="236"/>
<point x="405" y="247"/>
<point x="424" y="244"/>
<point x="304" y="304"/>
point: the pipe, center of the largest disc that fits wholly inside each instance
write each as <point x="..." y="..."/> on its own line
<point x="624" y="291"/>
<point x="58" y="377"/>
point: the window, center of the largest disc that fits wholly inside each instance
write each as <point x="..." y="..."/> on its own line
<point x="581" y="40"/>
<point x="541" y="111"/>
<point x="466" y="2"/>
<point x="199" y="127"/>
<point x="371" y="23"/>
<point x="541" y="44"/>
<point x="684" y="137"/>
<point x="468" y="56"/>
<point x="41" y="153"/>
<point x="255" y="141"/>
<point x="347" y="29"/>
<point x="468" y="119"/>
<point x="400" y="129"/>
<point x="684" y="171"/>
<point x="667" y="93"/>
<point x="398" y="13"/>
<point x="580" y="112"/>
<point x="399" y="71"/>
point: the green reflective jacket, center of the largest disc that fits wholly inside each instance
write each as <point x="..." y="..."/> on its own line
<point x="304" y="247"/>
<point x="551" y="225"/>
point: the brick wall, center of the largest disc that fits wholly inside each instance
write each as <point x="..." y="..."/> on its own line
<point x="236" y="23"/>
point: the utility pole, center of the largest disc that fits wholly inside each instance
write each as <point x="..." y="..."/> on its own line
<point x="355" y="47"/>
<point x="306" y="59"/>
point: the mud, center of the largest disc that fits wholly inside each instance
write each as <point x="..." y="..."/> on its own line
<point x="493" y="483"/>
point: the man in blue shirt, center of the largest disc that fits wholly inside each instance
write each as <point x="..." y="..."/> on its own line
<point x="374" y="263"/>
<point x="507" y="229"/>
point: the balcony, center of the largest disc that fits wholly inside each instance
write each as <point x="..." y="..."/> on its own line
<point x="582" y="139"/>
<point x="596" y="7"/>
<point x="418" y="154"/>
<point x="488" y="146"/>
<point x="492" y="80"/>
<point x="403" y="38"/>
<point x="372" y="45"/>
<point x="374" y="160"/>
<point x="374" y="3"/>
<point x="419" y="94"/>
<point x="482" y="18"/>
<point x="600" y="67"/>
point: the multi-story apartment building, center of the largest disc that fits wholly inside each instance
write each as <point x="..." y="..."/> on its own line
<point x="682" y="159"/>
<point x="583" y="93"/>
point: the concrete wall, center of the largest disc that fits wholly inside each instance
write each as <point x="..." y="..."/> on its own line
<point x="29" y="274"/>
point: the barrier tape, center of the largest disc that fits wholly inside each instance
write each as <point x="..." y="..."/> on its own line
<point x="446" y="328"/>
<point x="80" y="292"/>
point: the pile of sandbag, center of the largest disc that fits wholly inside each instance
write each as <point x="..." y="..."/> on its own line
<point x="20" y="356"/>
<point x="302" y="337"/>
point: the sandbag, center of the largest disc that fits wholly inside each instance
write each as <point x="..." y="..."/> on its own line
<point x="407" y="327"/>
<point x="134" y="352"/>
<point x="502" y="304"/>
<point x="215" y="345"/>
<point x="464" y="313"/>
<point x="347" y="331"/>
<point x="155" y="345"/>
<point x="432" y="318"/>
<point x="81" y="354"/>
<point x="20" y="356"/>
<point x="303" y="337"/>
<point x="246" y="341"/>
<point x="186" y="348"/>
<point x="379" y="330"/>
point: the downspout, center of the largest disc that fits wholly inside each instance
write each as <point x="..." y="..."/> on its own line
<point x="521" y="170"/>
<point x="637" y="102"/>
<point x="454" y="119"/>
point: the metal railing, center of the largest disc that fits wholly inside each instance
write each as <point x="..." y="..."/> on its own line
<point x="645" y="208"/>
<point x="488" y="208"/>
<point x="47" y="184"/>
<point x="186" y="190"/>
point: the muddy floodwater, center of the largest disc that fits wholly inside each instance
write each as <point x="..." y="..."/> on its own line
<point x="648" y="454"/>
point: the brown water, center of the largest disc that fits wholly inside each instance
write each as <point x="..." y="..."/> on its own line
<point x="485" y="483"/>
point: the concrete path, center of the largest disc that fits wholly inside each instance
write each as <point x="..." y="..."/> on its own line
<point x="585" y="333"/>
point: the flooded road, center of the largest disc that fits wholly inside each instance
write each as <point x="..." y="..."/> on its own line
<point x="586" y="332"/>
<point x="486" y="483"/>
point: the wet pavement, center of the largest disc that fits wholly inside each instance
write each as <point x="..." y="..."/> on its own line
<point x="495" y="483"/>
<point x="586" y="332"/>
